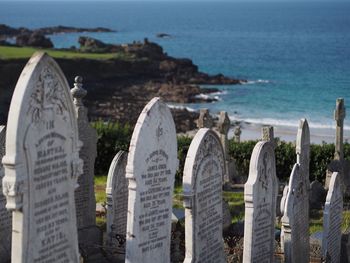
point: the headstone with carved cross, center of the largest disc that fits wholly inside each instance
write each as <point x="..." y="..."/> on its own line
<point x="339" y="164"/>
<point x="205" y="120"/>
<point x="151" y="167"/>
<point x="5" y="216"/>
<point x="89" y="234"/>
<point x="295" y="203"/>
<point x="260" y="193"/>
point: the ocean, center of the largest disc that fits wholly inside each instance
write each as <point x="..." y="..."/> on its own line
<point x="295" y="55"/>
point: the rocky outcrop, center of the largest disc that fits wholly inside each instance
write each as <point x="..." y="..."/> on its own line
<point x="34" y="39"/>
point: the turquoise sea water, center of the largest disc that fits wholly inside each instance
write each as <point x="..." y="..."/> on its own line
<point x="296" y="56"/>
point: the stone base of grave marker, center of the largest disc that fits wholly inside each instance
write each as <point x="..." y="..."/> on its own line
<point x="90" y="241"/>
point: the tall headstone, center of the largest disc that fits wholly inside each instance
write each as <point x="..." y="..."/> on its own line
<point x="205" y="120"/>
<point x="117" y="204"/>
<point x="42" y="165"/>
<point x="295" y="204"/>
<point x="224" y="124"/>
<point x="332" y="219"/>
<point x="268" y="135"/>
<point x="88" y="233"/>
<point x="5" y="216"/>
<point x="151" y="167"/>
<point x="202" y="187"/>
<point x="260" y="193"/>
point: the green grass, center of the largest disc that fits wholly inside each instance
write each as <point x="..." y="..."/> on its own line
<point x="7" y="52"/>
<point x="236" y="203"/>
<point x="100" y="188"/>
<point x="178" y="197"/>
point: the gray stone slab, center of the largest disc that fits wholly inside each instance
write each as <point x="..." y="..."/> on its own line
<point x="202" y="187"/>
<point x="5" y="216"/>
<point x="151" y="168"/>
<point x="332" y="219"/>
<point x="260" y="193"/>
<point x="42" y="165"/>
<point x="117" y="204"/>
<point x="85" y="201"/>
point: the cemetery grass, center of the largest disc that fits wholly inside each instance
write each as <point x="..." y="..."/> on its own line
<point x="9" y="52"/>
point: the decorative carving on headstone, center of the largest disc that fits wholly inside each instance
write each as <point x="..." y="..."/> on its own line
<point x="151" y="167"/>
<point x="5" y="216"/>
<point x="260" y="192"/>
<point x="88" y="233"/>
<point x="332" y="219"/>
<point x="202" y="187"/>
<point x="205" y="120"/>
<point x="42" y="165"/>
<point x="117" y="204"/>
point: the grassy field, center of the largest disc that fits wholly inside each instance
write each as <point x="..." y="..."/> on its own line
<point x="7" y="52"/>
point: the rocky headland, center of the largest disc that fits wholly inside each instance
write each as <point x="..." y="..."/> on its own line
<point x="118" y="88"/>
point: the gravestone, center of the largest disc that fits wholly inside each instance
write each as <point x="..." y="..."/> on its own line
<point x="332" y="219"/>
<point x="151" y="167"/>
<point x="317" y="195"/>
<point x="295" y="221"/>
<point x="5" y="216"/>
<point x="205" y="120"/>
<point x="88" y="233"/>
<point x="268" y="135"/>
<point x="202" y="188"/>
<point x="224" y="124"/>
<point x="42" y="165"/>
<point x="117" y="204"/>
<point x="260" y="193"/>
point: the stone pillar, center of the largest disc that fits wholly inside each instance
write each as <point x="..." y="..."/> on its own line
<point x="89" y="234"/>
<point x="339" y="116"/>
<point x="224" y="124"/>
<point x="268" y="135"/>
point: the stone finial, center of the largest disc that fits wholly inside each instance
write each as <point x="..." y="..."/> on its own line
<point x="78" y="92"/>
<point x="204" y="120"/>
<point x="268" y="135"/>
<point x="339" y="116"/>
<point x="224" y="123"/>
<point x="237" y="132"/>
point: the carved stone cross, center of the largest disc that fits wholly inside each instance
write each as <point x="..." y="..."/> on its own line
<point x="204" y="120"/>
<point x="339" y="116"/>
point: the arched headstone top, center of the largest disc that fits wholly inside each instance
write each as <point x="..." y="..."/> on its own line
<point x="155" y="114"/>
<point x="262" y="171"/>
<point x="41" y="87"/>
<point x="205" y="143"/>
<point x="116" y="171"/>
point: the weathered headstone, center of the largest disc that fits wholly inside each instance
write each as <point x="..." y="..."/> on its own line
<point x="151" y="167"/>
<point x="317" y="195"/>
<point x="202" y="187"/>
<point x="5" y="216"/>
<point x="295" y="221"/>
<point x="88" y="233"/>
<point x="117" y="204"/>
<point x="205" y="120"/>
<point x="260" y="192"/>
<point x="332" y="219"/>
<point x="42" y="165"/>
